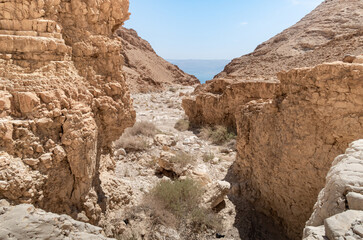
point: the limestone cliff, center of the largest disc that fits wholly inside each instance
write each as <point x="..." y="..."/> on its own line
<point x="144" y="70"/>
<point x="286" y="144"/>
<point x="339" y="209"/>
<point x="63" y="100"/>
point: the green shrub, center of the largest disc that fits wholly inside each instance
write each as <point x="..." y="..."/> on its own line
<point x="182" y="198"/>
<point x="217" y="134"/>
<point x="179" y="196"/>
<point x="182" y="125"/>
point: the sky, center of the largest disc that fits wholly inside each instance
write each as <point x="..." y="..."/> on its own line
<point x="212" y="29"/>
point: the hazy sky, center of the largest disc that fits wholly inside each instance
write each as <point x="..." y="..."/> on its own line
<point x="212" y="29"/>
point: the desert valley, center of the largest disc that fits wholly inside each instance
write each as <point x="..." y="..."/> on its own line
<point x="101" y="138"/>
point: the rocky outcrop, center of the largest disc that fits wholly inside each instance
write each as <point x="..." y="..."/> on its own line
<point x="63" y="100"/>
<point x="216" y="102"/>
<point x="144" y="70"/>
<point x="339" y="209"/>
<point x="286" y="144"/>
<point x="27" y="222"/>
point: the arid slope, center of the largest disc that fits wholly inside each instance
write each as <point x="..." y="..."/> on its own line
<point x="146" y="71"/>
<point x="332" y="30"/>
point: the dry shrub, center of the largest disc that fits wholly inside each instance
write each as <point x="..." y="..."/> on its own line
<point x="218" y="134"/>
<point x="173" y="89"/>
<point x="207" y="157"/>
<point x="181" y="199"/>
<point x="131" y="143"/>
<point x="142" y="128"/>
<point x="133" y="139"/>
<point x="182" y="159"/>
<point x="182" y="125"/>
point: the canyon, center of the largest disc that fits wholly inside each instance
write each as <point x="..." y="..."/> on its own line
<point x="75" y="84"/>
<point x="290" y="123"/>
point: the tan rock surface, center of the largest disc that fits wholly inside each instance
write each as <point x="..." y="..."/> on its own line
<point x="286" y="145"/>
<point x="24" y="222"/>
<point x="340" y="207"/>
<point x="144" y="70"/>
<point x="63" y="100"/>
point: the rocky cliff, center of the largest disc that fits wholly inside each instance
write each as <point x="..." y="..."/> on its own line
<point x="63" y="100"/>
<point x="328" y="33"/>
<point x="338" y="213"/>
<point x="144" y="70"/>
<point x="286" y="144"/>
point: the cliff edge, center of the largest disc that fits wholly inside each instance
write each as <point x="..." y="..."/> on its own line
<point x="63" y="101"/>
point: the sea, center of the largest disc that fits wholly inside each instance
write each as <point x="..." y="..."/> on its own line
<point x="203" y="69"/>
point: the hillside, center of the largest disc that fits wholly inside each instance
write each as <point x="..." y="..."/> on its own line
<point x="331" y="31"/>
<point x="146" y="71"/>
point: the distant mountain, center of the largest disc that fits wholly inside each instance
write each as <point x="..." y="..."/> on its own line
<point x="203" y="69"/>
<point x="334" y="29"/>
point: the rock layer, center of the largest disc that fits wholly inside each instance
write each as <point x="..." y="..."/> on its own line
<point x="144" y="70"/>
<point x="63" y="100"/>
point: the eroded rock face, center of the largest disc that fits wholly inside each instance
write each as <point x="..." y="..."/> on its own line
<point x="63" y="100"/>
<point x="216" y="102"/>
<point x="286" y="144"/>
<point x="339" y="209"/>
<point x="26" y="222"/>
<point x="145" y="71"/>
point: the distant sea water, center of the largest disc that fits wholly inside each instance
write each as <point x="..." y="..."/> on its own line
<point x="203" y="69"/>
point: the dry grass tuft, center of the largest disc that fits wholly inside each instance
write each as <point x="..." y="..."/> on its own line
<point x="207" y="157"/>
<point x="182" y="125"/>
<point x="217" y="135"/>
<point x="133" y="138"/>
<point x="182" y="159"/>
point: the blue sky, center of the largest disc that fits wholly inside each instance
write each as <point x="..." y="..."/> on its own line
<point x="212" y="29"/>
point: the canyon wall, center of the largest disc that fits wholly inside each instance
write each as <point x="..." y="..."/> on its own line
<point x="63" y="101"/>
<point x="286" y="144"/>
<point x="144" y="70"/>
